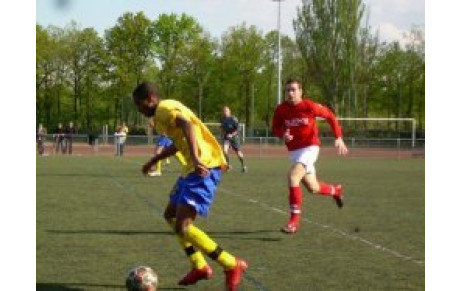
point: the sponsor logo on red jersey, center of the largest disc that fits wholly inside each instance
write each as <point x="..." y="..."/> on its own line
<point x="296" y="122"/>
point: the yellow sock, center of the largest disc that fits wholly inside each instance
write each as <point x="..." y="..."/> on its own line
<point x="201" y="240"/>
<point x="195" y="256"/>
<point x="158" y="166"/>
<point x="180" y="158"/>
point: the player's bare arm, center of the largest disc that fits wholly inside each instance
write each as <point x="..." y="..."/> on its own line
<point x="189" y="134"/>
<point x="167" y="152"/>
<point x="324" y="112"/>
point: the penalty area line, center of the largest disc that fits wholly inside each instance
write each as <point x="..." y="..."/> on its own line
<point x="331" y="228"/>
<point x="253" y="280"/>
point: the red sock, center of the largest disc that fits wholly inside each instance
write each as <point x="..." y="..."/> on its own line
<point x="295" y="203"/>
<point x="326" y="189"/>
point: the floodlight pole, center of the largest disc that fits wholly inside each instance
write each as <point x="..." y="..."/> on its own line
<point x="279" y="53"/>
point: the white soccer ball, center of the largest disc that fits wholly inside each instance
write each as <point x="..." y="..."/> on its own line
<point x="142" y="278"/>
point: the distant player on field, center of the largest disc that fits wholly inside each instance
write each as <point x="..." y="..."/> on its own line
<point x="162" y="143"/>
<point x="229" y="125"/>
<point x="68" y="137"/>
<point x="295" y="122"/>
<point x="194" y="190"/>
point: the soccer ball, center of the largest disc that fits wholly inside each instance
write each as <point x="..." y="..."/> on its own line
<point x="142" y="278"/>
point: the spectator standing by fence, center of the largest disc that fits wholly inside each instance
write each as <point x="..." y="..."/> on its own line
<point x="59" y="139"/>
<point x="120" y="138"/>
<point x="93" y="139"/>
<point x="41" y="133"/>
<point x="68" y="138"/>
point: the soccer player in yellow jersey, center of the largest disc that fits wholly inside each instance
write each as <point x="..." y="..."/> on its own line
<point x="194" y="190"/>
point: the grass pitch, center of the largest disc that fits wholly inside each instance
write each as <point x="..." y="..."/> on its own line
<point x="98" y="216"/>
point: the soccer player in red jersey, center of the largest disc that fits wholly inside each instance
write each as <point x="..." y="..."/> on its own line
<point x="295" y="122"/>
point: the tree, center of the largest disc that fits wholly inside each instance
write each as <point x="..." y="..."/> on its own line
<point x="171" y="34"/>
<point x="368" y="48"/>
<point x="242" y="54"/>
<point x="326" y="32"/>
<point x="44" y="68"/>
<point x="130" y="47"/>
<point x="197" y="62"/>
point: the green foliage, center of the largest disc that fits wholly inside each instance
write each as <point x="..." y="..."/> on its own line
<point x="242" y="60"/>
<point x="129" y="45"/>
<point x="172" y="35"/>
<point x="88" y="78"/>
<point x="356" y="74"/>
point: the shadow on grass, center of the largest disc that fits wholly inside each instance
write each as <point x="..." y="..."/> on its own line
<point x="238" y="235"/>
<point x="68" y="286"/>
<point x="245" y="235"/>
<point x="266" y="239"/>
<point x="86" y="175"/>
<point x="114" y="232"/>
<point x="82" y="286"/>
<point x="240" y="232"/>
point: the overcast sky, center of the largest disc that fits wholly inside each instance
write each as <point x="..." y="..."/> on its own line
<point x="390" y="17"/>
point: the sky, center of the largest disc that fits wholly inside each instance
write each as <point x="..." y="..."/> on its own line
<point x="390" y="17"/>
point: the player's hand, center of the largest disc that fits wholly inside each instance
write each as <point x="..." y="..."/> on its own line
<point x="341" y="147"/>
<point x="288" y="136"/>
<point x="200" y="169"/>
<point x="229" y="136"/>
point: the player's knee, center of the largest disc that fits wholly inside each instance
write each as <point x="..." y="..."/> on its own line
<point x="293" y="180"/>
<point x="180" y="228"/>
<point x="308" y="186"/>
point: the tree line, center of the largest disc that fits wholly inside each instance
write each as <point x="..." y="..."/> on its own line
<point x="87" y="78"/>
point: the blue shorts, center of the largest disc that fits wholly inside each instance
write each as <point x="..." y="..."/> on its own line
<point x="196" y="191"/>
<point x="164" y="141"/>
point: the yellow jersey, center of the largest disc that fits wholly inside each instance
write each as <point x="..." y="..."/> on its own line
<point x="209" y="151"/>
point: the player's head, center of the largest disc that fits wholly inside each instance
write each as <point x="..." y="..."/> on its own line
<point x="226" y="111"/>
<point x="293" y="90"/>
<point x="71" y="124"/>
<point x="59" y="125"/>
<point x="146" y="96"/>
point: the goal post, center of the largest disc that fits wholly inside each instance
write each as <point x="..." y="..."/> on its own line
<point x="403" y="129"/>
<point x="397" y="125"/>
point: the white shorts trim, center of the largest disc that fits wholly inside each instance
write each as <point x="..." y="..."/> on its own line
<point x="306" y="156"/>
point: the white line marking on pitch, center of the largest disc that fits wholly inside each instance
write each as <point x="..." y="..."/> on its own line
<point x="325" y="226"/>
<point x="335" y="230"/>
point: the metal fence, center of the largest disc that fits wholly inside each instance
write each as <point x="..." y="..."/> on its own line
<point x="352" y="142"/>
<point x="252" y="146"/>
<point x="386" y="143"/>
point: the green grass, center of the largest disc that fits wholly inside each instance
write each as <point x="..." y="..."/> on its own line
<point x="98" y="216"/>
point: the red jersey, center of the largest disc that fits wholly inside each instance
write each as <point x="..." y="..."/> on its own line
<point x="300" y="119"/>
